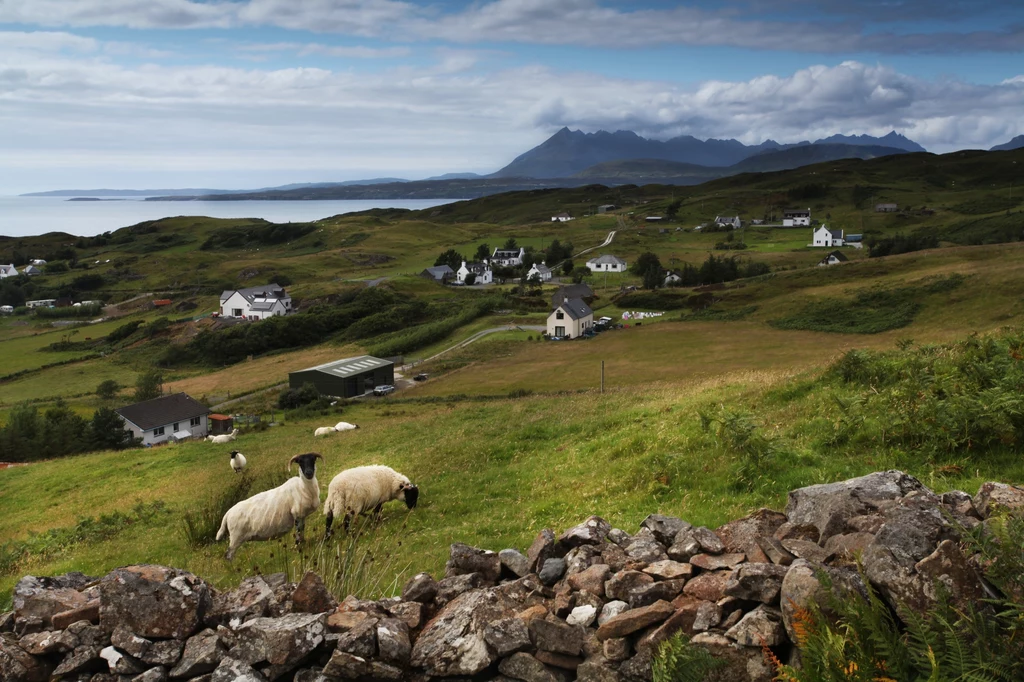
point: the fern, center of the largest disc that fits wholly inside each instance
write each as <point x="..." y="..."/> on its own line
<point x="679" y="661"/>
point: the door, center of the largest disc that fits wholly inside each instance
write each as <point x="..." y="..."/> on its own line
<point x="559" y="331"/>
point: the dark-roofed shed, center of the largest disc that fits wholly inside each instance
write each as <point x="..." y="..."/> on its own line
<point x="346" y="378"/>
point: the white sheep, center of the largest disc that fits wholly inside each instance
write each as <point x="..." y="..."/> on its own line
<point x="323" y="431"/>
<point x="270" y="514"/>
<point x="237" y="461"/>
<point x="344" y="426"/>
<point x="361" y="489"/>
<point x="223" y="438"/>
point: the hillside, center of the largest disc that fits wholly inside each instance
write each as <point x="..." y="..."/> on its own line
<point x="1015" y="143"/>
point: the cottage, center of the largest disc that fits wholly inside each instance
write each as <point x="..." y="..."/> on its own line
<point x="886" y="208"/>
<point x="833" y="258"/>
<point x="255" y="303"/>
<point x="571" y="319"/>
<point x="825" y="236"/>
<point x="481" y="270"/>
<point x="157" y="420"/>
<point x="37" y="261"/>
<point x="541" y="271"/>
<point x="604" y="208"/>
<point x="439" y="273"/>
<point x="8" y="271"/>
<point x="508" y="258"/>
<point x="580" y="291"/>
<point x="606" y="263"/>
<point x="561" y="218"/>
<point x="729" y="221"/>
<point x="672" y="277"/>
<point x="346" y="378"/>
<point x="796" y="217"/>
<point x="32" y="271"/>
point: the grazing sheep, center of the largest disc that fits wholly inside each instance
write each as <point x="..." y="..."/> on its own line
<point x="361" y="489"/>
<point x="237" y="461"/>
<point x="270" y="514"/>
<point x="224" y="438"/>
<point x="344" y="426"/>
<point x="323" y="431"/>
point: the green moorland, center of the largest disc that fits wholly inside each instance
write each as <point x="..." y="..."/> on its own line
<point x="738" y="393"/>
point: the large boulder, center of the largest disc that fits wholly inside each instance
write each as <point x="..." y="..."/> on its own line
<point x="202" y="654"/>
<point x="154" y="601"/>
<point x="250" y="600"/>
<point x="995" y="497"/>
<point x="464" y="559"/>
<point x="761" y="627"/>
<point x="756" y="582"/>
<point x="745" y="663"/>
<point x="279" y="641"/>
<point x="38" y="599"/>
<point x="18" y="664"/>
<point x="312" y="596"/>
<point x="664" y="528"/>
<point x="801" y="588"/>
<point x="741" y="536"/>
<point x="593" y="531"/>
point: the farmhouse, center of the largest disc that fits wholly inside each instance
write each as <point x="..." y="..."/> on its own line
<point x="796" y="217"/>
<point x="481" y="270"/>
<point x="508" y="258"/>
<point x="346" y="378"/>
<point x="561" y="218"/>
<point x="158" y="420"/>
<point x="439" y="273"/>
<point x="886" y="208"/>
<point x="32" y="271"/>
<point x="825" y="236"/>
<point x="541" y="271"/>
<point x="672" y="277"/>
<point x="729" y="221"/>
<point x="606" y="263"/>
<point x="581" y="291"/>
<point x="255" y="303"/>
<point x="571" y="319"/>
<point x="833" y="258"/>
<point x="8" y="271"/>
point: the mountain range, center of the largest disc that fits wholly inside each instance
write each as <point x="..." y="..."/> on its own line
<point x="1015" y="143"/>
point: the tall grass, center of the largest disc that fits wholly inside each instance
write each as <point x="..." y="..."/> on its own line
<point x="200" y="523"/>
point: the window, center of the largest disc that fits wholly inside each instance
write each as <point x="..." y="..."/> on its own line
<point x="158" y="432"/>
<point x="195" y="421"/>
<point x="236" y="312"/>
<point x="175" y="429"/>
<point x="559" y="315"/>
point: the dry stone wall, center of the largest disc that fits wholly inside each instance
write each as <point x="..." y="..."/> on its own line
<point x="591" y="604"/>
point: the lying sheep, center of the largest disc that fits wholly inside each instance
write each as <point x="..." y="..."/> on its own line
<point x="323" y="431"/>
<point x="344" y="426"/>
<point x="237" y="461"/>
<point x="224" y="438"/>
<point x="361" y="489"/>
<point x="270" y="514"/>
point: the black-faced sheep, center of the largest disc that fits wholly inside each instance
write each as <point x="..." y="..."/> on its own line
<point x="361" y="489"/>
<point x="237" y="461"/>
<point x="272" y="513"/>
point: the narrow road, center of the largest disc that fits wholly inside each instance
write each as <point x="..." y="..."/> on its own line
<point x="606" y="242"/>
<point x="475" y="337"/>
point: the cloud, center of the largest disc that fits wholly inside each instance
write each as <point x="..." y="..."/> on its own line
<point x="347" y="51"/>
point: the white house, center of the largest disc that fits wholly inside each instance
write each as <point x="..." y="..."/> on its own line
<point x="157" y="420"/>
<point x="542" y="271"/>
<point x="795" y="217"/>
<point x="729" y="221"/>
<point x="508" y="258"/>
<point x="481" y="270"/>
<point x="32" y="271"/>
<point x="570" y="319"/>
<point x="672" y="277"/>
<point x="37" y="261"/>
<point x="825" y="236"/>
<point x="8" y="271"/>
<point x="833" y="258"/>
<point x="255" y="303"/>
<point x="561" y="218"/>
<point x="607" y="263"/>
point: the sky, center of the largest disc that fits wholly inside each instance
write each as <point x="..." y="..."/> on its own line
<point x="251" y="93"/>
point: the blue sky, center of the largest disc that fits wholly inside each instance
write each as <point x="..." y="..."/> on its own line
<point x="245" y="93"/>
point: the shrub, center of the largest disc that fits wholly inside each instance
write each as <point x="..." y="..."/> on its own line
<point x="297" y="397"/>
<point x="738" y="433"/>
<point x="124" y="331"/>
<point x="676" y="660"/>
<point x="199" y="524"/>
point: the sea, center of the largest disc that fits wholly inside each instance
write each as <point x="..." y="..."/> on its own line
<point x="29" y="216"/>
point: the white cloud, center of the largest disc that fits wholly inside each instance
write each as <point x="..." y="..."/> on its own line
<point x="347" y="51"/>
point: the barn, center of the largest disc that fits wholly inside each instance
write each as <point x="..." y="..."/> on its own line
<point x="346" y="378"/>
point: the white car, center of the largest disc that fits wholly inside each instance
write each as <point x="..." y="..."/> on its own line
<point x="383" y="389"/>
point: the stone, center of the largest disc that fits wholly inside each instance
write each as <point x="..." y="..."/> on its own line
<point x="556" y="636"/>
<point x="202" y="653"/>
<point x="580" y="558"/>
<point x="165" y="653"/>
<point x="360" y="640"/>
<point x="993" y="497"/>
<point x="645" y="548"/>
<point x="713" y="562"/>
<point x="312" y="596"/>
<point x="385" y="672"/>
<point x="622" y="584"/>
<point x="450" y="588"/>
<point x="409" y="612"/>
<point x="740" y="663"/>
<point x="756" y="582"/>
<point x="708" y="541"/>
<point x="90" y="612"/>
<point x="666" y="590"/>
<point x="732" y="619"/>
<point x="798" y="531"/>
<point x="684" y="547"/>
<point x="638" y="668"/>
<point x="353" y="603"/>
<point x="829" y="506"/>
<point x="83" y="659"/>
<point x="154" y="601"/>
<point x="121" y="663"/>
<point x="775" y="552"/>
<point x="48" y="642"/>
<point x="280" y="641"/>
<point x="343" y="621"/>
<point x="708" y="615"/>
<point x="631" y="621"/>
<point x="680" y="621"/>
<point x="618" y="536"/>
<point x="805" y="549"/>
<point x="562" y="661"/>
<point x="610" y="610"/>
<point x="133" y="645"/>
<point x="453" y="643"/>
<point x="346" y="666"/>
<point x="514" y="562"/>
<point x="18" y="664"/>
<point x="587" y="599"/>
<point x="801" y="588"/>
<point x="565" y="600"/>
<point x="523" y="666"/>
<point x="157" y="674"/>
<point x="594" y="671"/>
<point x="848" y="546"/>
<point x="708" y="586"/>
<point x="741" y="536"/>
<point x="535" y="611"/>
<point x="37" y="599"/>
<point x="582" y="616"/>
<point x="593" y="531"/>
<point x="393" y="642"/>
<point x="591" y="580"/>
<point x="420" y="588"/>
<point x="865" y="523"/>
<point x="948" y="565"/>
<point x="667" y="569"/>
<point x="664" y="528"/>
<point x="231" y="670"/>
<point x="761" y="627"/>
<point x="616" y="649"/>
<point x="614" y="556"/>
<point x="464" y="559"/>
<point x="507" y="636"/>
<point x="552" y="570"/>
<point x="542" y="549"/>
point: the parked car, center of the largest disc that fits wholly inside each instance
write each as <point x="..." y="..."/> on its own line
<point x="420" y="377"/>
<point x="383" y="389"/>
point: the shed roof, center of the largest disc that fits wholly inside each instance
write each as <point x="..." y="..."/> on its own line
<point x="350" y="366"/>
<point x="164" y="410"/>
<point x="439" y="271"/>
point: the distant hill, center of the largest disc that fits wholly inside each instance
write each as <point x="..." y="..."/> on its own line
<point x="1015" y="143"/>
<point x="456" y="176"/>
<point x="805" y="155"/>
<point x="893" y="139"/>
<point x="656" y="170"/>
<point x="201" y="192"/>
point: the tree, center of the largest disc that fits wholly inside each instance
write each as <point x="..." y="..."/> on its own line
<point x="451" y="258"/>
<point x="653" y="279"/>
<point x="580" y="274"/>
<point x="107" y="390"/>
<point x="470" y="279"/>
<point x="672" y="210"/>
<point x="149" y="385"/>
<point x="511" y="243"/>
<point x="107" y="432"/>
<point x="567" y="267"/>
<point x="648" y="267"/>
<point x="483" y="252"/>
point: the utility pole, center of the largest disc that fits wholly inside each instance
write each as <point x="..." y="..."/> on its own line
<point x="602" y="376"/>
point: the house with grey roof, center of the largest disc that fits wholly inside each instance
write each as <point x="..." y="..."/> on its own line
<point x="508" y="258"/>
<point x="834" y="258"/>
<point x="439" y="273"/>
<point x="255" y="303"/>
<point x="571" y="319"/>
<point x="177" y="416"/>
<point x="8" y="271"/>
<point x="540" y="271"/>
<point x="606" y="263"/>
<point x="581" y="291"/>
<point x="481" y="271"/>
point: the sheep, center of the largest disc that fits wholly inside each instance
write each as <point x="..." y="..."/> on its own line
<point x="323" y="431"/>
<point x="344" y="426"/>
<point x="224" y="438"/>
<point x="237" y="461"/>
<point x="270" y="514"/>
<point x="357" y="490"/>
